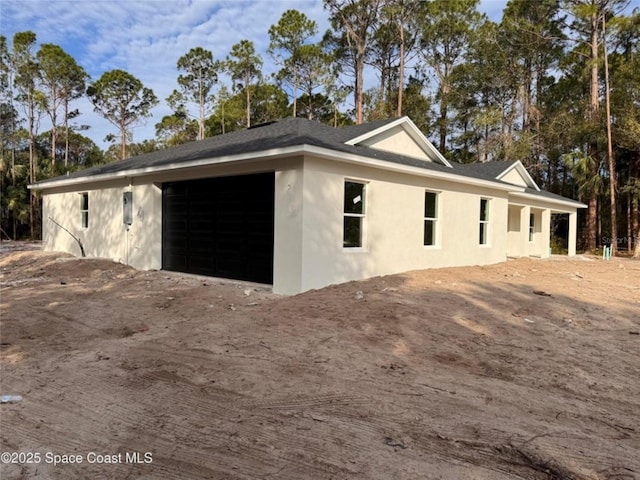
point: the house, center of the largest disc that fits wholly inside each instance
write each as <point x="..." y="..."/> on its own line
<point x="301" y="205"/>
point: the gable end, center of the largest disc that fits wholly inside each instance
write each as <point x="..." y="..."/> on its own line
<point x="401" y="137"/>
<point x="517" y="174"/>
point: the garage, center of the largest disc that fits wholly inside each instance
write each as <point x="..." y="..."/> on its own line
<point x="220" y="227"/>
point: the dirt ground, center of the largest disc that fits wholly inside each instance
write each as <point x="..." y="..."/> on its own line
<point x="528" y="369"/>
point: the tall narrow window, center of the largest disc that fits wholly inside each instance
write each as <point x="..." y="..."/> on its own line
<point x="532" y="226"/>
<point x="430" y="217"/>
<point x="354" y="211"/>
<point x="84" y="209"/>
<point x="484" y="221"/>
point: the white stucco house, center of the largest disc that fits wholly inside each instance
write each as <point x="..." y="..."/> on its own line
<point x="301" y="205"/>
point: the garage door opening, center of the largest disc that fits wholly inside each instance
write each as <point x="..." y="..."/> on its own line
<point x="220" y="227"/>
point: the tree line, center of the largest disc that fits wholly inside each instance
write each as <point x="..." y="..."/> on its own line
<point x="554" y="84"/>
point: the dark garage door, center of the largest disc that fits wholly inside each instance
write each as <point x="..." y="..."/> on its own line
<point x="220" y="227"/>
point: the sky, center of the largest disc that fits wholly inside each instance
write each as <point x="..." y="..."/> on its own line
<point x="146" y="38"/>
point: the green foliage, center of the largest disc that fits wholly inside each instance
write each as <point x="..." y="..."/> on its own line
<point x="244" y="65"/>
<point x="62" y="80"/>
<point x="245" y="68"/>
<point x="300" y="63"/>
<point x="447" y="27"/>
<point x="123" y="100"/>
<point x="515" y="90"/>
<point x="582" y="167"/>
<point x="290" y="33"/>
<point x="176" y="129"/>
<point x="356" y="21"/>
<point x="200" y="75"/>
<point x="83" y="153"/>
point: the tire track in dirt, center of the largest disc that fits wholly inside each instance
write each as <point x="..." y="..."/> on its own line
<point x="306" y="456"/>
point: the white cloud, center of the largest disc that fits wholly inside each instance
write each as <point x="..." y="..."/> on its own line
<point x="146" y="37"/>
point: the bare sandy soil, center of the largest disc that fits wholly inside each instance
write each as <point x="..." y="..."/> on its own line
<point x="528" y="369"/>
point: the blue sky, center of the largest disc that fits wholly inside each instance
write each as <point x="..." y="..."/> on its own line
<point x="146" y="38"/>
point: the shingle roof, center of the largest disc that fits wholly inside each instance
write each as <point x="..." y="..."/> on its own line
<point x="288" y="133"/>
<point x="284" y="133"/>
<point x="549" y="195"/>
<point x="486" y="170"/>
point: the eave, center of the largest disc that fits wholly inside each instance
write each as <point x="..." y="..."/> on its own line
<point x="527" y="197"/>
<point x="280" y="153"/>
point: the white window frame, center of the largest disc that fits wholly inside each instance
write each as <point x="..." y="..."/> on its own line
<point x="362" y="216"/>
<point x="484" y="241"/>
<point x="435" y="220"/>
<point x="84" y="212"/>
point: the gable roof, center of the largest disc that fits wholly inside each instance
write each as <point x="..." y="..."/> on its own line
<point x="295" y="136"/>
<point x="486" y="170"/>
<point x="522" y="171"/>
<point x="499" y="169"/>
<point x="410" y="128"/>
<point x="255" y="141"/>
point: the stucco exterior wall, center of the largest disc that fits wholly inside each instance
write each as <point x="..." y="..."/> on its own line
<point x="287" y="241"/>
<point x="394" y="225"/>
<point x="106" y="236"/>
<point x="519" y="242"/>
<point x="308" y="222"/>
<point x="514" y="178"/>
<point x="515" y="233"/>
<point x="397" y="140"/>
<point x="140" y="244"/>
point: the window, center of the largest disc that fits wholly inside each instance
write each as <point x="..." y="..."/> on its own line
<point x="84" y="209"/>
<point x="484" y="221"/>
<point x="532" y="225"/>
<point x="354" y="211"/>
<point x="430" y="217"/>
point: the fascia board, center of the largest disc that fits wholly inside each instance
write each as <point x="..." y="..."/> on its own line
<point x="279" y="153"/>
<point x="377" y="131"/>
<point x="407" y="169"/>
<point x="139" y="172"/>
<point x="425" y="141"/>
<point x="552" y="201"/>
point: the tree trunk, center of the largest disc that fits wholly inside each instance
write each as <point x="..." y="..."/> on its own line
<point x="444" y="106"/>
<point x="635" y="223"/>
<point x="32" y="172"/>
<point x="295" y="93"/>
<point x="359" y="82"/>
<point x="629" y="230"/>
<point x="222" y="118"/>
<point x="610" y="158"/>
<point x="401" y="72"/>
<point x="593" y="147"/>
<point x="246" y="87"/>
<point x="53" y="142"/>
<point x="13" y="182"/>
<point x="66" y="132"/>
<point x="592" y="214"/>
<point x="123" y="139"/>
<point x="201" y="112"/>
